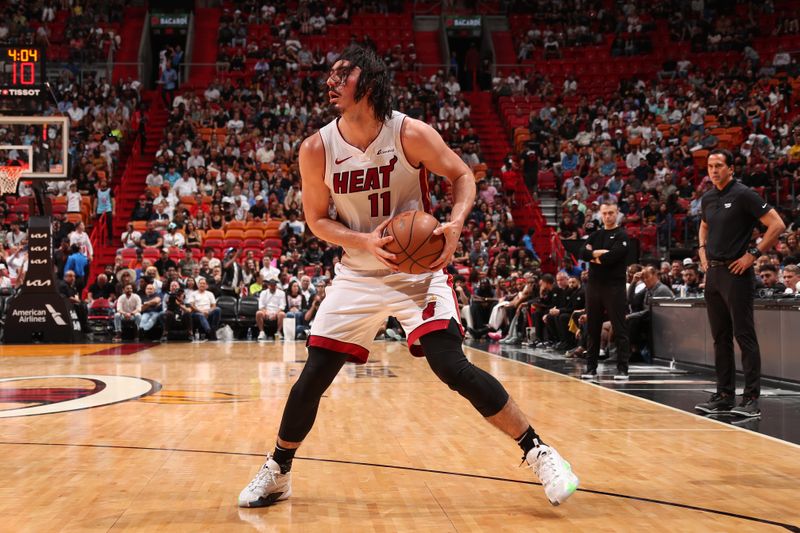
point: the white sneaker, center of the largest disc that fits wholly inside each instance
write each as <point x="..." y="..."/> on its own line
<point x="554" y="472"/>
<point x="262" y="336"/>
<point x="392" y="335"/>
<point x="269" y="486"/>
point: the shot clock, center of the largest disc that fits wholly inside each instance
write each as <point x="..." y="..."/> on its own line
<point x="22" y="72"/>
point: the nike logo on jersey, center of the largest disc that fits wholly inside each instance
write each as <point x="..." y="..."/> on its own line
<point x="340" y="161"/>
<point x="763" y="206"/>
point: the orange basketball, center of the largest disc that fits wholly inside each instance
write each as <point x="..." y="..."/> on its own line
<point x="414" y="244"/>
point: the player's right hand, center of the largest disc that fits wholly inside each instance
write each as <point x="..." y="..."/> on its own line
<point x="375" y="243"/>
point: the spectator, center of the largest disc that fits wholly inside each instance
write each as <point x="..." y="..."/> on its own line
<point x="164" y="262"/>
<point x="169" y="81"/>
<point x="151" y="238"/>
<point x="60" y="257"/>
<point x="130" y="237"/>
<point x="205" y="313"/>
<point x="639" y="322"/>
<point x="296" y="307"/>
<point x="152" y="308"/>
<point x="187" y="264"/>
<point x="68" y="290"/>
<point x="129" y="307"/>
<point x="270" y="314"/>
<point x="791" y="278"/>
<point x="80" y="238"/>
<point x="178" y="315"/>
<point x="101" y="288"/>
<point x="78" y="263"/>
<point x="769" y="279"/>
<point x="173" y="238"/>
<point x="104" y="205"/>
<point x="232" y="277"/>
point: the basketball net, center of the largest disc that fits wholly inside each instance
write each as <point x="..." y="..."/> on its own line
<point x="9" y="178"/>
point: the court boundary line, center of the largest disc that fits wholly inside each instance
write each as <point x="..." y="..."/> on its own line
<point x="687" y="413"/>
<point x="788" y="527"/>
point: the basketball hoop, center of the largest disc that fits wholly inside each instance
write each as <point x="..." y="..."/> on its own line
<point x="9" y="178"/>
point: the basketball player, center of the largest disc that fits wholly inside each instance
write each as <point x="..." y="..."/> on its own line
<point x="373" y="162"/>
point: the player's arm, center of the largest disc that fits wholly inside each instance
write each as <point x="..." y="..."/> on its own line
<point x="315" y="207"/>
<point x="424" y="146"/>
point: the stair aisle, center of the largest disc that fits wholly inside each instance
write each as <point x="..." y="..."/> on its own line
<point x="125" y="60"/>
<point x="205" y="47"/>
<point x="495" y="146"/>
<point x="133" y="182"/>
<point x="494" y="138"/>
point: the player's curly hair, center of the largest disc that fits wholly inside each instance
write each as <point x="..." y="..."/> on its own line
<point x="374" y="81"/>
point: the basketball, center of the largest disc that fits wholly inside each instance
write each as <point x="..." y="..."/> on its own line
<point x="414" y="244"/>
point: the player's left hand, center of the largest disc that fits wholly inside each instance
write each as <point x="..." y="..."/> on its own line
<point x="451" y="232"/>
<point x="741" y="265"/>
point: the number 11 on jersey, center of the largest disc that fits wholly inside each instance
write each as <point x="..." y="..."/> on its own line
<point x="384" y="199"/>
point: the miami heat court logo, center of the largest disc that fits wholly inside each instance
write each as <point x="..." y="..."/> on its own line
<point x="42" y="395"/>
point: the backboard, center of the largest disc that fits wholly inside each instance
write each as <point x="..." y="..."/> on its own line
<point x="41" y="142"/>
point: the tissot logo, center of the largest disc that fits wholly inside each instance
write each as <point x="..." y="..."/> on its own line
<point x="22" y="92"/>
<point x="73" y="393"/>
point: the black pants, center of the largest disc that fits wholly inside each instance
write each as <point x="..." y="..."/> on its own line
<point x="729" y="303"/>
<point x="639" y="332"/>
<point x="539" y="325"/>
<point x="179" y="322"/>
<point x="481" y="311"/>
<point x="611" y="299"/>
<point x="561" y="323"/>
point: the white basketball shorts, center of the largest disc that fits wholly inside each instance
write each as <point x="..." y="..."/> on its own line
<point x="357" y="304"/>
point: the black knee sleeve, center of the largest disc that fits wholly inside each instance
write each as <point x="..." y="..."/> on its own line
<point x="446" y="358"/>
<point x="301" y="407"/>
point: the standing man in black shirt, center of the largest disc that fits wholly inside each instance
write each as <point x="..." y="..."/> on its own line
<point x="606" y="250"/>
<point x="730" y="211"/>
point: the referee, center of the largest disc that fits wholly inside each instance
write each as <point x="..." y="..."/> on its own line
<point x="606" y="250"/>
<point x="730" y="212"/>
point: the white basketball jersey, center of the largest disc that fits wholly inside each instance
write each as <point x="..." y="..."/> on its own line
<point x="371" y="186"/>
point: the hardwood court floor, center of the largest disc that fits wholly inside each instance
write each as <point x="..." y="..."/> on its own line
<point x="393" y="450"/>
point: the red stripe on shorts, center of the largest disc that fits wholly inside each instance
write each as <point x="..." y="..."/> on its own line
<point x="422" y="329"/>
<point x="358" y="354"/>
